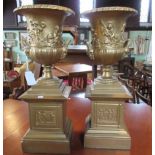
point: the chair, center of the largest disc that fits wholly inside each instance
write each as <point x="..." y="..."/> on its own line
<point x="132" y="91"/>
<point x="35" y="68"/>
<point x="126" y="66"/>
<point x="122" y="80"/>
<point x="12" y="74"/>
<point x="11" y="81"/>
<point x="78" y="81"/>
<point x="144" y="91"/>
<point x="144" y="99"/>
<point x="129" y="84"/>
<point x="7" y="59"/>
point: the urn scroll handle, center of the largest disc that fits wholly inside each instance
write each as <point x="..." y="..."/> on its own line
<point x="65" y="49"/>
<point x="128" y="47"/>
<point x="89" y="51"/>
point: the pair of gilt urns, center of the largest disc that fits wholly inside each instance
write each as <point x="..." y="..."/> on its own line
<point x="44" y="45"/>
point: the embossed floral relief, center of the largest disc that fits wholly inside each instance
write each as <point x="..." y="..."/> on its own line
<point x="110" y="38"/>
<point x="45" y="117"/>
<point x="38" y="37"/>
<point x="106" y="114"/>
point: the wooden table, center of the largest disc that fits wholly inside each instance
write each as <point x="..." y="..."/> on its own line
<point x="77" y="54"/>
<point x="77" y="74"/>
<point x="138" y="118"/>
<point x="59" y="74"/>
<point x="74" y="68"/>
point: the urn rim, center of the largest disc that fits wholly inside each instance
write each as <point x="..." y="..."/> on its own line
<point x="110" y="9"/>
<point x="68" y="11"/>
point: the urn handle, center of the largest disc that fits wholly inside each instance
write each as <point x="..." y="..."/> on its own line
<point x="65" y="48"/>
<point x="89" y="51"/>
<point x="128" y="46"/>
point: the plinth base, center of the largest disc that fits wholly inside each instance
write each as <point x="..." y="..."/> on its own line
<point x="107" y="128"/>
<point x="106" y="139"/>
<point x="50" y="130"/>
<point x="40" y="144"/>
<point x="47" y="142"/>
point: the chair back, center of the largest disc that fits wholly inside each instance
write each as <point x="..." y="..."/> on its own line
<point x="77" y="80"/>
<point x="142" y="98"/>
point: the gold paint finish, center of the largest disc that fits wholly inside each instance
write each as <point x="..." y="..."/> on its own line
<point x="108" y="44"/>
<point x="47" y="74"/>
<point x="44" y="25"/>
<point x="107" y="128"/>
<point x="50" y="129"/>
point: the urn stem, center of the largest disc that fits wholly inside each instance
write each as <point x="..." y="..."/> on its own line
<point x="47" y="72"/>
<point x="107" y="72"/>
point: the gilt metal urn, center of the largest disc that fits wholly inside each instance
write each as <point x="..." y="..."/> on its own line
<point x="106" y="127"/>
<point x="50" y="129"/>
<point x="108" y="44"/>
<point x="44" y="25"/>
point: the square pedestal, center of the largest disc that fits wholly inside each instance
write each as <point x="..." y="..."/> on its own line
<point x="106" y="128"/>
<point x="50" y="129"/>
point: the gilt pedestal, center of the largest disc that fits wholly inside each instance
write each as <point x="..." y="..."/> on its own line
<point x="106" y="128"/>
<point x="50" y="130"/>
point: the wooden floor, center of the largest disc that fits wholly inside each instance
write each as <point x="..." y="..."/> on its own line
<point x="138" y="118"/>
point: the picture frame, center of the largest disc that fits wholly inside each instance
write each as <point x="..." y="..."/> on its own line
<point x="10" y="43"/>
<point x="10" y="35"/>
<point x="141" y="41"/>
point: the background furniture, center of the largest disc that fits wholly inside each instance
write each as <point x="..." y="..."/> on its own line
<point x="10" y="82"/>
<point x="77" y="54"/>
<point x="123" y="65"/>
<point x="77" y="81"/>
<point x="21" y="86"/>
<point x="139" y="83"/>
<point x="77" y="74"/>
<point x="7" y="59"/>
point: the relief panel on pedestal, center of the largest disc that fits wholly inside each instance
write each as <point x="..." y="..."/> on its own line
<point x="43" y="116"/>
<point x="106" y="114"/>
